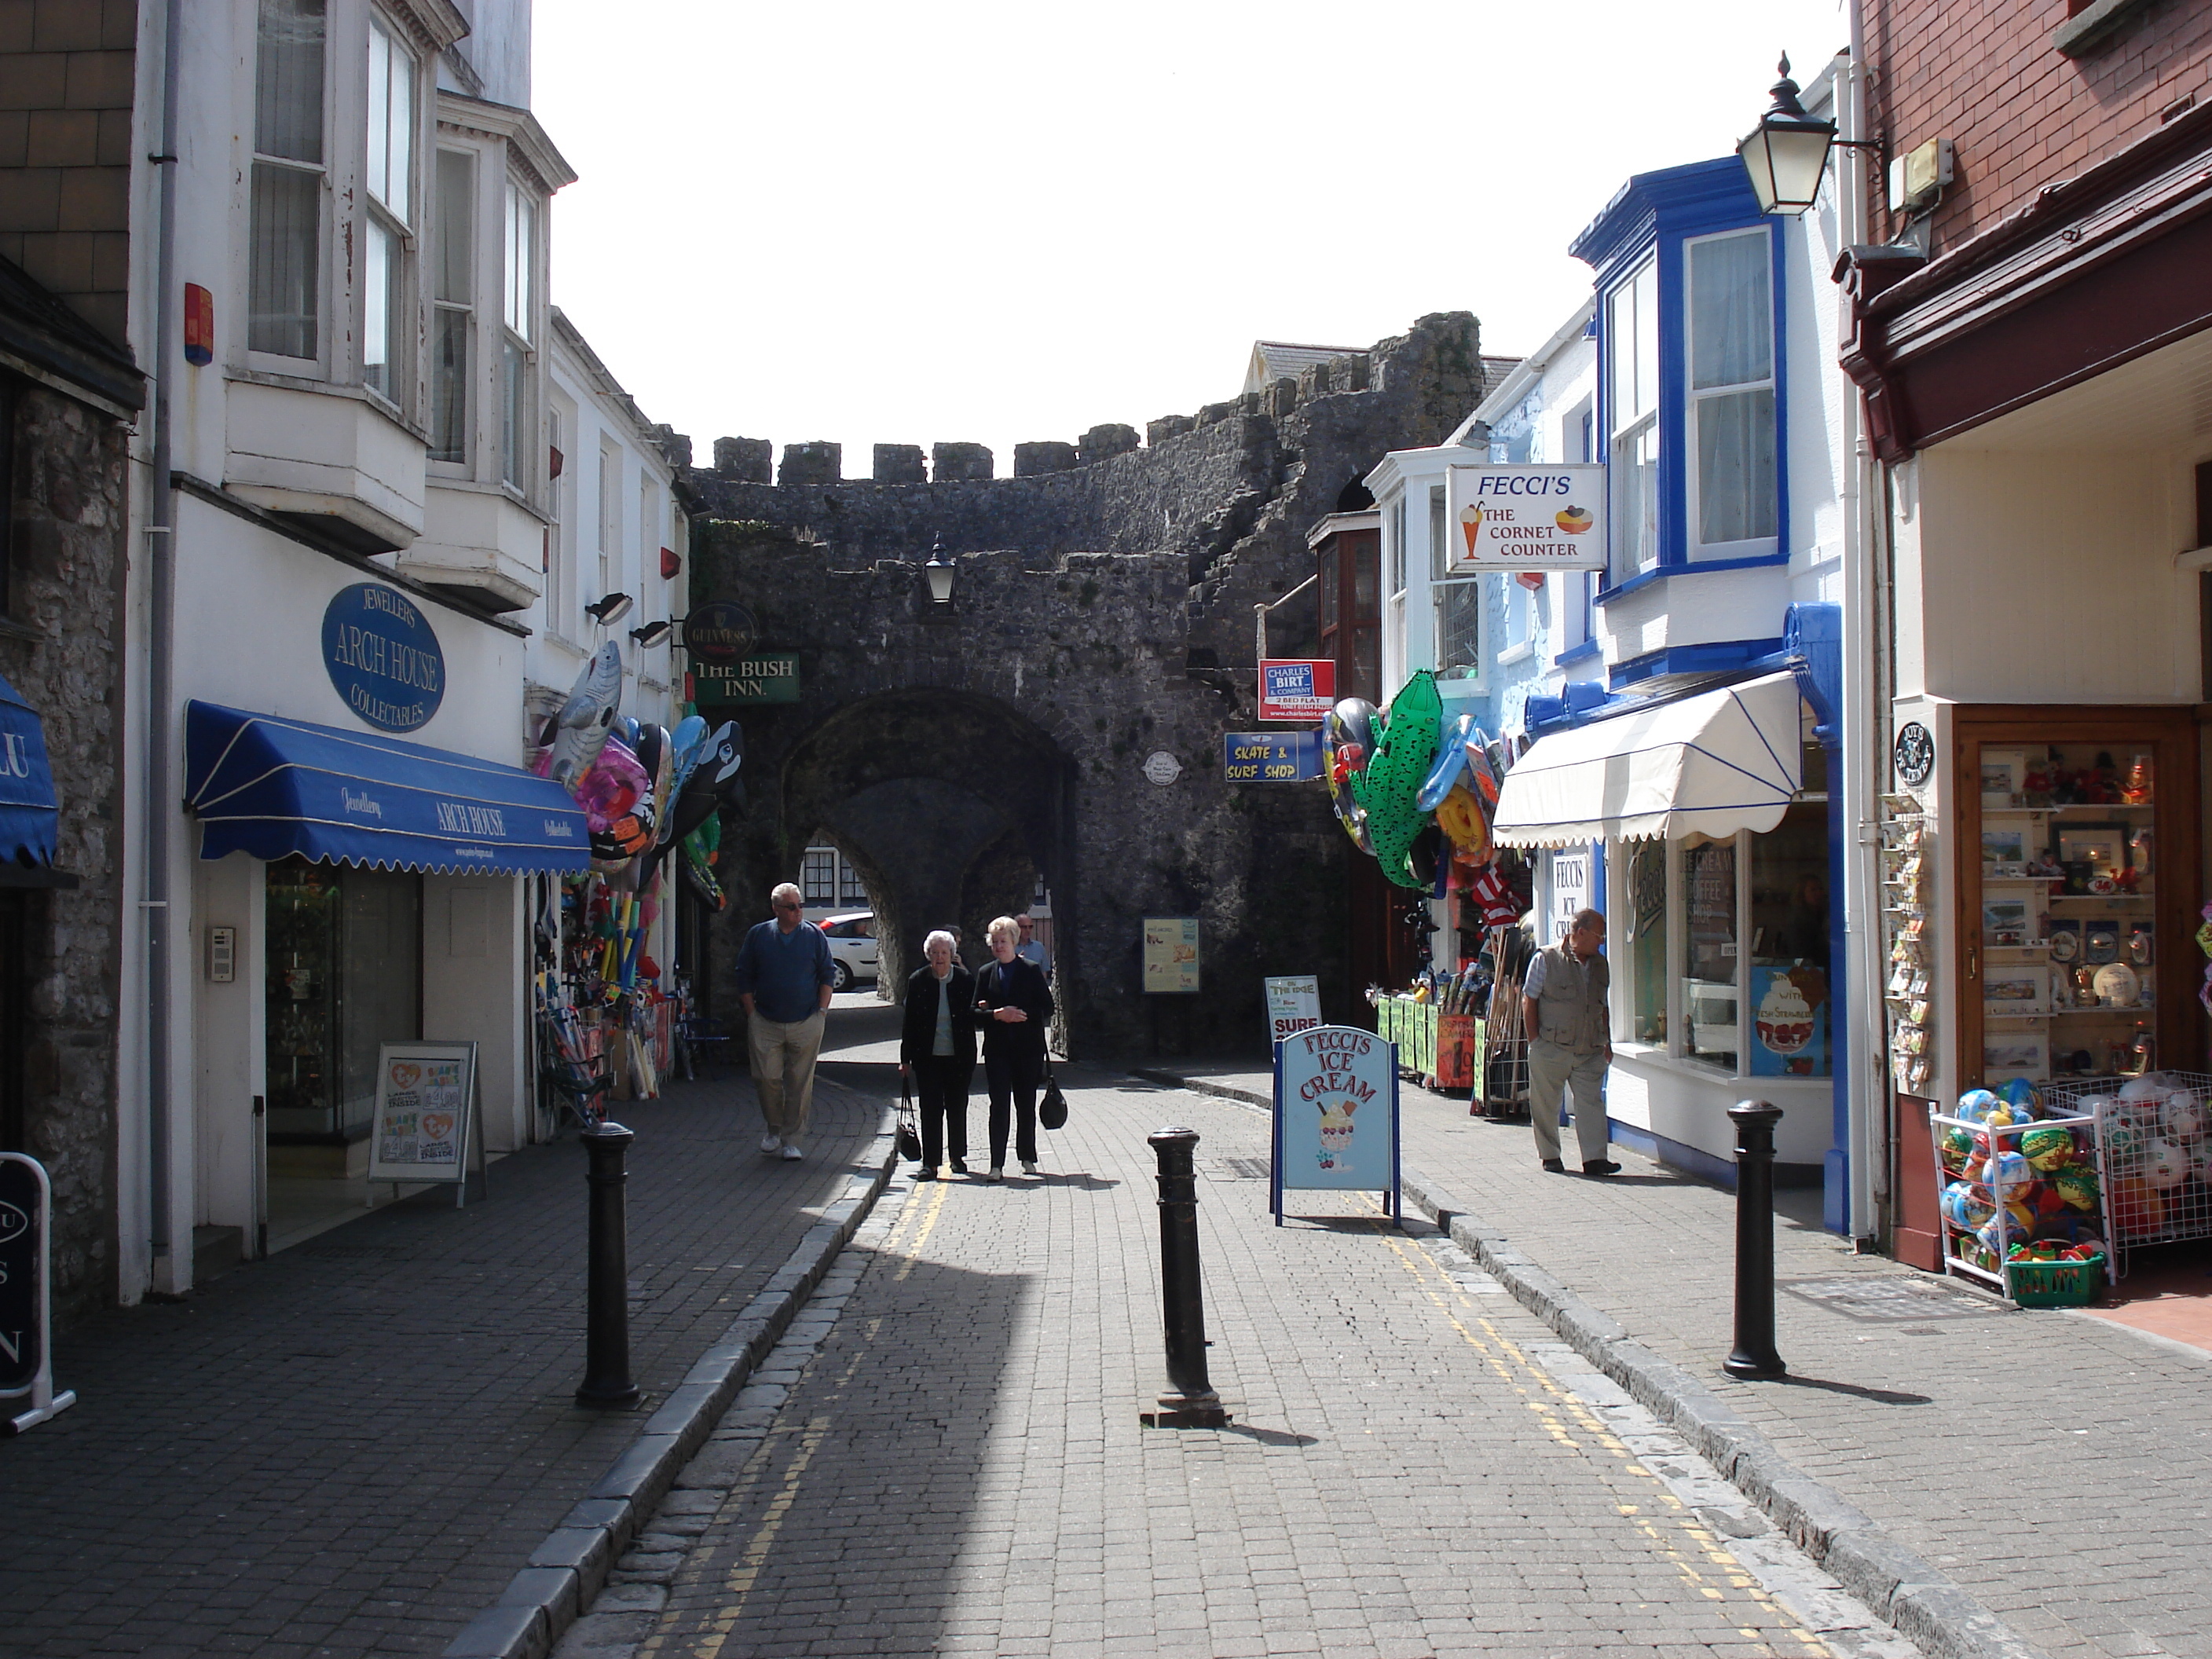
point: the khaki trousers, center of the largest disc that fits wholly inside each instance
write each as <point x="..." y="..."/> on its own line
<point x="1551" y="1070"/>
<point x="783" y="1070"/>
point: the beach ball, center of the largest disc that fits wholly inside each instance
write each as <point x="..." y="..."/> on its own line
<point x="2123" y="1141"/>
<point x="2007" y="1169"/>
<point x="1967" y="1206"/>
<point x="2165" y="1164"/>
<point x="2024" y="1097"/>
<point x="2181" y="1116"/>
<point x="2077" y="1184"/>
<point x="2098" y="1105"/>
<point x="2047" y="1148"/>
<point x="2013" y="1221"/>
<point x="1954" y="1149"/>
<point x="1974" y="1105"/>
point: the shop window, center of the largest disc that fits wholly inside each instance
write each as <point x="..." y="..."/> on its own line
<point x="1632" y="346"/>
<point x="1711" y="1006"/>
<point x="1646" y="939"/>
<point x="1730" y="330"/>
<point x="284" y="228"/>
<point x="345" y="976"/>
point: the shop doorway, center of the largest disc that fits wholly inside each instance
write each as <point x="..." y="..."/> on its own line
<point x="344" y="976"/>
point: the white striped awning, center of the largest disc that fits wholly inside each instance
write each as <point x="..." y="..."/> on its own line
<point x="1709" y="765"/>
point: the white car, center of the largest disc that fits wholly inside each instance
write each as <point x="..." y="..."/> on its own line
<point x="851" y="946"/>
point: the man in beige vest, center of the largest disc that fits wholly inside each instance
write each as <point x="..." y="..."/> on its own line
<point x="1570" y="1025"/>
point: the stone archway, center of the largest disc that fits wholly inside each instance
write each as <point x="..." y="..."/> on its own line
<point x="950" y="803"/>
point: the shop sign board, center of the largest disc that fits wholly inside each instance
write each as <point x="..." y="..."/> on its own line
<point x="1572" y="870"/>
<point x="1270" y="756"/>
<point x="382" y="657"/>
<point x="720" y="632"/>
<point x="1790" y="1022"/>
<point x="1296" y="688"/>
<point x="1171" y="955"/>
<point x="26" y="1294"/>
<point x="754" y="679"/>
<point x="1293" y="1005"/>
<point x="1336" y="1114"/>
<point x="427" y="1117"/>
<point x="1526" y="517"/>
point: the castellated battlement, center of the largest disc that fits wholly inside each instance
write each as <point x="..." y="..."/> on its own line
<point x="753" y="460"/>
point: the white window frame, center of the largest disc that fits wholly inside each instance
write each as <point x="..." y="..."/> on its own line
<point x="561" y="520"/>
<point x="523" y="321"/>
<point x="1630" y="349"/>
<point x="611" y="518"/>
<point x="315" y="363"/>
<point x="395" y="219"/>
<point x="1752" y="547"/>
<point x="468" y="309"/>
<point x="1442" y="587"/>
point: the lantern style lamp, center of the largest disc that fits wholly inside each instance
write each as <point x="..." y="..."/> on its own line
<point x="939" y="570"/>
<point x="1787" y="152"/>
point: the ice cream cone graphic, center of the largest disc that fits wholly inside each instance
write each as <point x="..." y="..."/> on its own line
<point x="1470" y="525"/>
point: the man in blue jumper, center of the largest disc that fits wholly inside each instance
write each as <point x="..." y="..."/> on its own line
<point x="784" y="977"/>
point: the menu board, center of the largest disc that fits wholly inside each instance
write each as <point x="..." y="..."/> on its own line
<point x="1171" y="954"/>
<point x="426" y="1095"/>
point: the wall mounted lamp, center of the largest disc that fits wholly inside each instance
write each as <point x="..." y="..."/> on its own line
<point x="1787" y="153"/>
<point x="610" y="609"/>
<point x="941" y="572"/>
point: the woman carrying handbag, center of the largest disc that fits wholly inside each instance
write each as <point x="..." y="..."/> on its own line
<point x="1015" y="1005"/>
<point x="936" y="1052"/>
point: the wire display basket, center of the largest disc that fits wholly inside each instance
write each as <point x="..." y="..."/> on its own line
<point x="2155" y="1134"/>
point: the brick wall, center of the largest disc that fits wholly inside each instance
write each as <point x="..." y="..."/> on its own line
<point x="66" y="74"/>
<point x="1986" y="74"/>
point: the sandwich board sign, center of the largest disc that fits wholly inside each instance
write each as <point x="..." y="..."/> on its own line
<point x="426" y="1114"/>
<point x="26" y="1374"/>
<point x="1336" y="1114"/>
<point x="1293" y="1005"/>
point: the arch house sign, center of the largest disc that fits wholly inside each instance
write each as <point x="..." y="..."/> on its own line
<point x="383" y="660"/>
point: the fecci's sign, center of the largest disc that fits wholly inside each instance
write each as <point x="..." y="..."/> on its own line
<point x="1336" y="1114"/>
<point x="1526" y="517"/>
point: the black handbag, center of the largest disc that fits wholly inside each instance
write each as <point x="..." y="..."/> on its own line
<point x="1052" y="1110"/>
<point x="910" y="1125"/>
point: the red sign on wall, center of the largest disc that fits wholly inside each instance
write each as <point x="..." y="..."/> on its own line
<point x="1296" y="688"/>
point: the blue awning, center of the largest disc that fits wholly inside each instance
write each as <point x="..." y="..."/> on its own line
<point x="274" y="788"/>
<point x="27" y="810"/>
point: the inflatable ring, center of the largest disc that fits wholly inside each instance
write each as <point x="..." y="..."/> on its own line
<point x="1387" y="789"/>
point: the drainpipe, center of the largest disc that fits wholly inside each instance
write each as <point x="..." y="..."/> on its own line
<point x="160" y="567"/>
<point x="1865" y="748"/>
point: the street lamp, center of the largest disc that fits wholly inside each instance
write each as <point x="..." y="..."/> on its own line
<point x="1788" y="151"/>
<point x="653" y="632"/>
<point x="939" y="571"/>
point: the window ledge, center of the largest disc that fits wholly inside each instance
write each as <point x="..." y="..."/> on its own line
<point x="2088" y="29"/>
<point x="1656" y="1057"/>
<point x="1582" y="653"/>
<point x="1514" y="653"/>
<point x="360" y="394"/>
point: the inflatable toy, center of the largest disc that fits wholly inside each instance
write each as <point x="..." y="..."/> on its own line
<point x="2181" y="1116"/>
<point x="587" y="718"/>
<point x="2047" y="1148"/>
<point x="1348" y="737"/>
<point x="1449" y="773"/>
<point x="1974" y="1105"/>
<point x="1385" y="789"/>
<point x="1967" y="1206"/>
<point x="2007" y="1170"/>
<point x="1956" y="1146"/>
<point x="2165" y="1164"/>
<point x="2024" y="1097"/>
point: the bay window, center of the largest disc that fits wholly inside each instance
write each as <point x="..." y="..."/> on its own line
<point x="452" y="318"/>
<point x="1632" y="343"/>
<point x="284" y="232"/>
<point x="1729" y="315"/>
<point x="1458" y="601"/>
<point x="387" y="227"/>
<point x="518" y="423"/>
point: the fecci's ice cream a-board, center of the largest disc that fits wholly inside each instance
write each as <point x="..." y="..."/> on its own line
<point x="1336" y="1114"/>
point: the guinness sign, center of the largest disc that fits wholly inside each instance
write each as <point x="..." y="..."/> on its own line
<point x="720" y="631"/>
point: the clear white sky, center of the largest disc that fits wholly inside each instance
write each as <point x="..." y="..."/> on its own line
<point x="908" y="223"/>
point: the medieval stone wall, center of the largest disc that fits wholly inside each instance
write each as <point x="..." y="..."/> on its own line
<point x="61" y="648"/>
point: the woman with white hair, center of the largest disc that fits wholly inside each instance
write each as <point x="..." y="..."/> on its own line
<point x="937" y="1050"/>
<point x="1015" y="1002"/>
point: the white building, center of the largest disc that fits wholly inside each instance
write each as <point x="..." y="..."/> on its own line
<point x="341" y="285"/>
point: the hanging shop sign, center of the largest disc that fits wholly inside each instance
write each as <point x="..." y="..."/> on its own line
<point x="427" y="1114"/>
<point x="1293" y="1005"/>
<point x="1296" y="688"/>
<point x="1570" y="887"/>
<point x="1526" y="517"/>
<point x="25" y="1295"/>
<point x="719" y="631"/>
<point x="1171" y="955"/>
<point x="1336" y="1114"/>
<point x="742" y="680"/>
<point x="382" y="658"/>
<point x="1270" y="756"/>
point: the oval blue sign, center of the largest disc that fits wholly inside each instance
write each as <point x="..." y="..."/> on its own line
<point x="382" y="658"/>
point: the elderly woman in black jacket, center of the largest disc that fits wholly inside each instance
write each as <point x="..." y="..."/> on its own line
<point x="937" y="1050"/>
<point x="1015" y="1005"/>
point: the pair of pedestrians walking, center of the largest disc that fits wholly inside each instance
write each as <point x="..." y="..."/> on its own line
<point x="1012" y="1002"/>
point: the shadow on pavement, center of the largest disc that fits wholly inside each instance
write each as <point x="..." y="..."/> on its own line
<point x="1880" y="1396"/>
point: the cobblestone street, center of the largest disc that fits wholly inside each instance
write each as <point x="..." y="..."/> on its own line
<point x="944" y="1456"/>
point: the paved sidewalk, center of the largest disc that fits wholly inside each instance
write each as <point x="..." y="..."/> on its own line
<point x="351" y="1447"/>
<point x="2055" y="1466"/>
<point x="944" y="1456"/>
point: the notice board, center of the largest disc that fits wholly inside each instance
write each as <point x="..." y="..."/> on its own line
<point x="427" y="1121"/>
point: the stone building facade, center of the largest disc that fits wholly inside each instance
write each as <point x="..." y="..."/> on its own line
<point x="1102" y="615"/>
<point x="65" y="395"/>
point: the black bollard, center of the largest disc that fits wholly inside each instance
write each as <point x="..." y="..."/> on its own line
<point x="606" y="1382"/>
<point x="1190" y="1401"/>
<point x="1753" y="1357"/>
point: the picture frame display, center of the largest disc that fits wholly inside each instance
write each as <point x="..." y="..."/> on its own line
<point x="2003" y="772"/>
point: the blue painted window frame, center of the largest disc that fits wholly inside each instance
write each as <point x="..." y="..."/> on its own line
<point x="1659" y="213"/>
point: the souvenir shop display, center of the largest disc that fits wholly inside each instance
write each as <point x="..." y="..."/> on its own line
<point x="2023" y="1191"/>
<point x="2155" y="1132"/>
<point x="1908" y="994"/>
